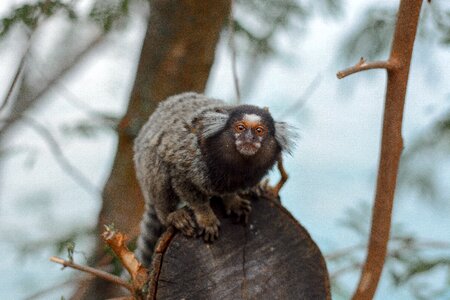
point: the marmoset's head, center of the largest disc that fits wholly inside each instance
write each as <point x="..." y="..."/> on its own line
<point x="249" y="130"/>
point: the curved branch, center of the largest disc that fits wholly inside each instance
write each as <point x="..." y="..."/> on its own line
<point x="283" y="179"/>
<point x="15" y="79"/>
<point x="60" y="157"/>
<point x="22" y="103"/>
<point x="57" y="152"/>
<point x="19" y="70"/>
<point x="362" y="65"/>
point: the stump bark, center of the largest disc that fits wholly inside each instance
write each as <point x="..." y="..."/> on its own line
<point x="271" y="257"/>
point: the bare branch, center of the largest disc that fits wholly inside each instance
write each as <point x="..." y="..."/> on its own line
<point x="391" y="143"/>
<point x="28" y="102"/>
<point x="57" y="152"/>
<point x="231" y="31"/>
<point x="362" y="65"/>
<point x="93" y="44"/>
<point x="21" y="66"/>
<point x="93" y="271"/>
<point x="15" y="79"/>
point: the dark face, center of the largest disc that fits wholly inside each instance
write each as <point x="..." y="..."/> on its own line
<point x="248" y="137"/>
<point x="243" y="151"/>
<point x="249" y="133"/>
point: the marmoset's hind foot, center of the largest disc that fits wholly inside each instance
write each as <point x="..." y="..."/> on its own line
<point x="183" y="221"/>
<point x="208" y="225"/>
<point x="239" y="206"/>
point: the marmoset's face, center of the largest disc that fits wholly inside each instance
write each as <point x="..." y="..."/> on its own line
<point x="249" y="133"/>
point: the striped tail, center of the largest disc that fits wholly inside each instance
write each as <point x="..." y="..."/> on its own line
<point x="151" y="230"/>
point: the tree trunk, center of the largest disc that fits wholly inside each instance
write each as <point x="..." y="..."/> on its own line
<point x="177" y="55"/>
<point x="272" y="257"/>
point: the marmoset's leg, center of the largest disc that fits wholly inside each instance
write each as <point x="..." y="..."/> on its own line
<point x="199" y="203"/>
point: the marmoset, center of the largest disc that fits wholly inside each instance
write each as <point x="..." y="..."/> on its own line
<point x="193" y="148"/>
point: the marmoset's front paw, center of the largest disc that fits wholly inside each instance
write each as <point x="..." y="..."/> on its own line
<point x="208" y="225"/>
<point x="183" y="221"/>
<point x="238" y="206"/>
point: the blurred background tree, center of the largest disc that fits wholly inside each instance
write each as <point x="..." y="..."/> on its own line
<point x="57" y="45"/>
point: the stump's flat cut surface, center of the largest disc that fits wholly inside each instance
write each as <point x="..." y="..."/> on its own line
<point x="272" y="257"/>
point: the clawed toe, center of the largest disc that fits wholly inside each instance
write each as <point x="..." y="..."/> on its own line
<point x="209" y="228"/>
<point x="182" y="220"/>
<point x="239" y="207"/>
<point x="211" y="233"/>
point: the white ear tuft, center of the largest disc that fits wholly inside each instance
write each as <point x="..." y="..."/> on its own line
<point x="213" y="122"/>
<point x="285" y="135"/>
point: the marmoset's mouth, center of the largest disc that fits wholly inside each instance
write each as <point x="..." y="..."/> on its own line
<point x="247" y="149"/>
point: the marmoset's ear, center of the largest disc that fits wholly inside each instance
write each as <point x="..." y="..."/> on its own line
<point x="213" y="122"/>
<point x="286" y="136"/>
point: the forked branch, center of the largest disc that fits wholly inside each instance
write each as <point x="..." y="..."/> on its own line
<point x="362" y="65"/>
<point x="391" y="143"/>
<point x="117" y="242"/>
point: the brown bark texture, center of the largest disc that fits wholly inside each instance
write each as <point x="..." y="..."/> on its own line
<point x="391" y="146"/>
<point x="177" y="55"/>
<point x="271" y="257"/>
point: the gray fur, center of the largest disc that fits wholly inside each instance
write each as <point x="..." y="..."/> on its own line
<point x="213" y="122"/>
<point x="285" y="135"/>
<point x="171" y="167"/>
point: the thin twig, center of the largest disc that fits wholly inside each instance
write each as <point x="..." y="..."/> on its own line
<point x="20" y="67"/>
<point x="362" y="65"/>
<point x="92" y="45"/>
<point x="57" y="152"/>
<point x="60" y="157"/>
<point x="231" y="31"/>
<point x="283" y="179"/>
<point x="27" y="102"/>
<point x="99" y="273"/>
<point x="15" y="79"/>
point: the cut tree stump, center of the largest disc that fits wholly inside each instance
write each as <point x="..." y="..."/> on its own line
<point x="272" y="257"/>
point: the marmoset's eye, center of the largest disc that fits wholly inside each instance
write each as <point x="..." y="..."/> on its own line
<point x="259" y="130"/>
<point x="240" y="127"/>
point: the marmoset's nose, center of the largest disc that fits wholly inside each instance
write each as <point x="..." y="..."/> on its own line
<point x="249" y="137"/>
